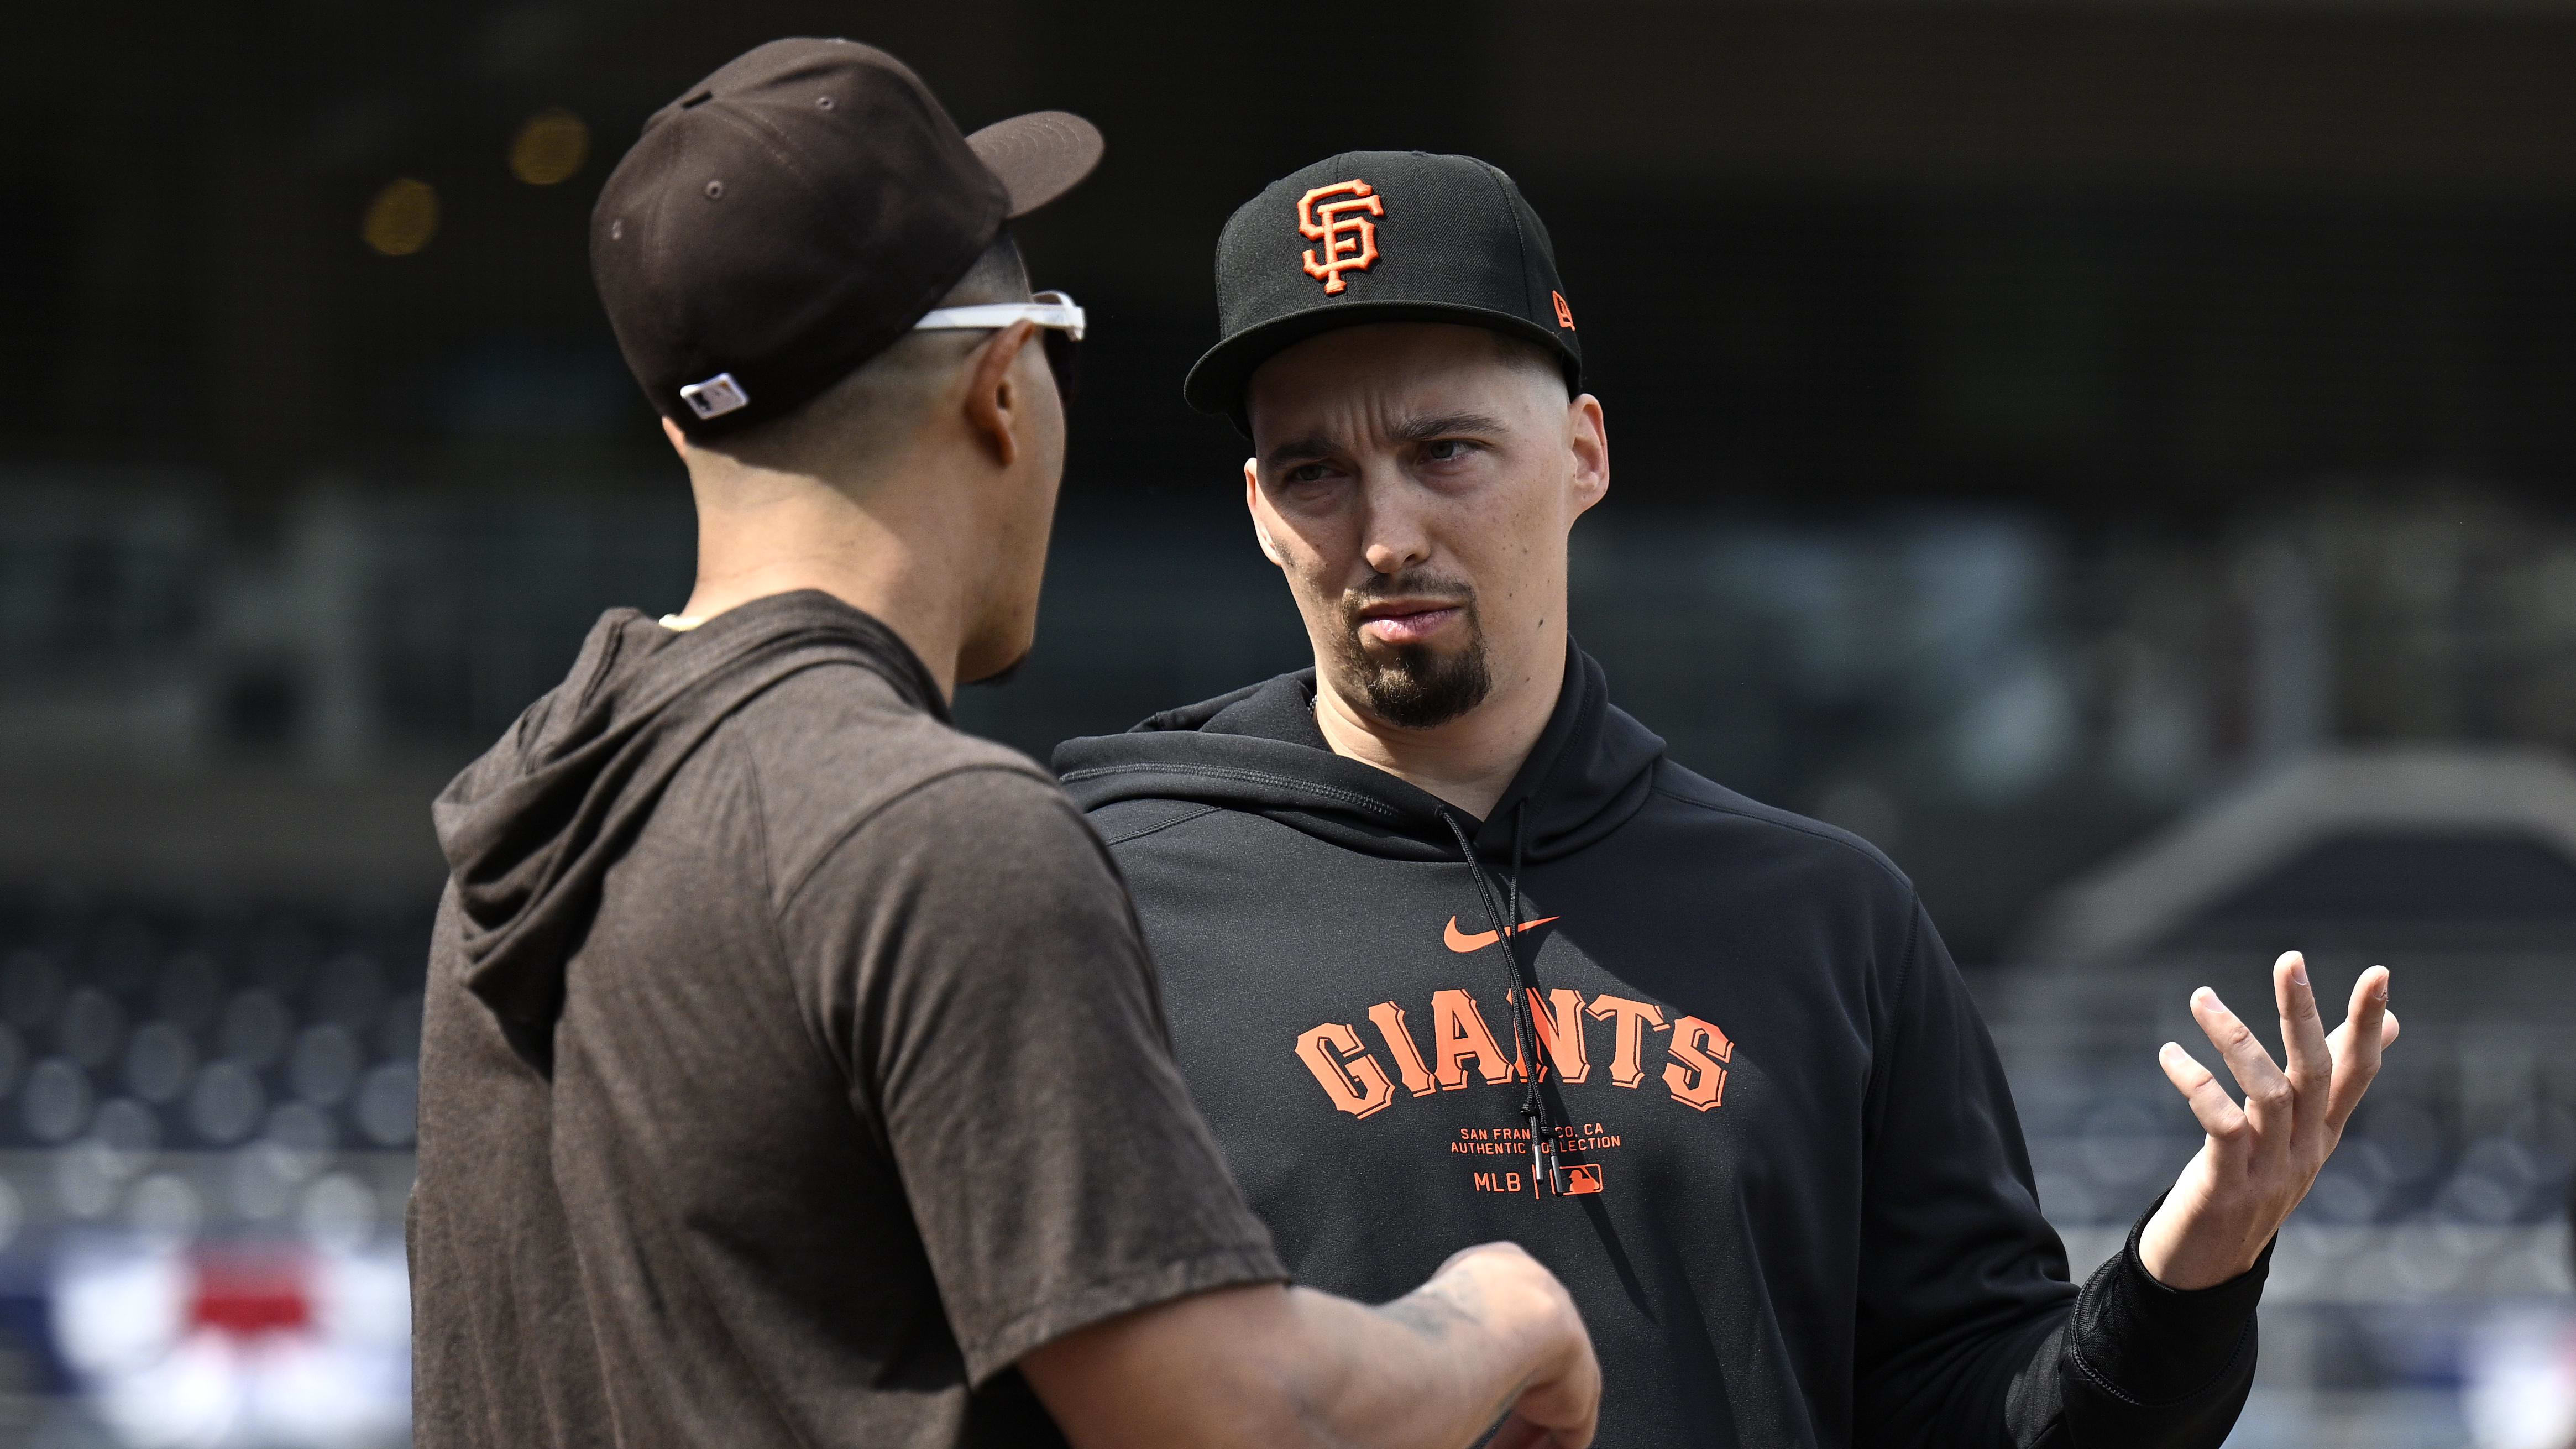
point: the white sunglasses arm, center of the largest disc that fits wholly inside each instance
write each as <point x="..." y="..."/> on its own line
<point x="1061" y="315"/>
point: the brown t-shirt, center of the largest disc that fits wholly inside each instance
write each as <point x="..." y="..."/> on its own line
<point x="792" y="1064"/>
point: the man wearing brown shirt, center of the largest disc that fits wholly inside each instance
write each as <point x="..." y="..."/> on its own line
<point x="793" y="1072"/>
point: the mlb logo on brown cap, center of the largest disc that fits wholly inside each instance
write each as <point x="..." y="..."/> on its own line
<point x="715" y="397"/>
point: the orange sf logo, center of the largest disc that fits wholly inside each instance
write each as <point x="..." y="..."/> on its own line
<point x="1349" y="237"/>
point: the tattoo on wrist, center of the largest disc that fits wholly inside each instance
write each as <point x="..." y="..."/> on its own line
<point x="1427" y="1312"/>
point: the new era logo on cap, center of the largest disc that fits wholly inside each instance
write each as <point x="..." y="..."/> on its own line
<point x="716" y="396"/>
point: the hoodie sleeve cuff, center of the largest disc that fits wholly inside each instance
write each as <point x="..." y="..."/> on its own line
<point x="2153" y="1345"/>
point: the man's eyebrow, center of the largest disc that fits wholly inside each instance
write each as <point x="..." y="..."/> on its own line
<point x="1420" y="429"/>
<point x="1299" y="449"/>
<point x="1445" y="425"/>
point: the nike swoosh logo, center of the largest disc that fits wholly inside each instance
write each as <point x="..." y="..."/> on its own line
<point x="1463" y="942"/>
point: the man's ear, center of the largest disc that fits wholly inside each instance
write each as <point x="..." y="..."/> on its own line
<point x="995" y="402"/>
<point x="679" y="440"/>
<point x="1588" y="437"/>
<point x="1252" y="505"/>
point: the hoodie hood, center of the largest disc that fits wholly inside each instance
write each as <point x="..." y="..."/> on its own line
<point x="1259" y="750"/>
<point x="531" y="828"/>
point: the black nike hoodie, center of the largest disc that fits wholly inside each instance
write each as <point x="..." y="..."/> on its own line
<point x="1788" y="1189"/>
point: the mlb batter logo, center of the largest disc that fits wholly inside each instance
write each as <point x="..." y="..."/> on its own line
<point x="1344" y="227"/>
<point x="1582" y="1179"/>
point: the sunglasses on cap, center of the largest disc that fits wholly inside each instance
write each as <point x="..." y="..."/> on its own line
<point x="1059" y="321"/>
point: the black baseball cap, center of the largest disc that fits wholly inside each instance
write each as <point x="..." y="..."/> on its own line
<point x="1379" y="236"/>
<point x="793" y="214"/>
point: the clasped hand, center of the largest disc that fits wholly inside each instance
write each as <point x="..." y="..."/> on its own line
<point x="2261" y="1157"/>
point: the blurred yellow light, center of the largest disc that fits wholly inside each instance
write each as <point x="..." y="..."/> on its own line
<point x="550" y="147"/>
<point x="402" y="218"/>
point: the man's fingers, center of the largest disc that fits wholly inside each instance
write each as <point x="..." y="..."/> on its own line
<point x="2309" y="1065"/>
<point x="2217" y="1113"/>
<point x="2303" y="1034"/>
<point x="2366" y="1032"/>
<point x="2350" y="1085"/>
<point x="2269" y="1103"/>
<point x="2343" y="1035"/>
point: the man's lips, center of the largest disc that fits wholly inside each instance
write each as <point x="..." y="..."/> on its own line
<point x="1407" y="623"/>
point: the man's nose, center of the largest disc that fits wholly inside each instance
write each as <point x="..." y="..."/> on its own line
<point x="1394" y="539"/>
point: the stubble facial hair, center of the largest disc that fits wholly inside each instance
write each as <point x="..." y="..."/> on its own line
<point x="1414" y="686"/>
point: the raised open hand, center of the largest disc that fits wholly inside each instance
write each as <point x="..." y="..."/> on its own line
<point x="2261" y="1158"/>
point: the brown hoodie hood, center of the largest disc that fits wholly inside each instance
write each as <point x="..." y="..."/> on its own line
<point x="531" y="827"/>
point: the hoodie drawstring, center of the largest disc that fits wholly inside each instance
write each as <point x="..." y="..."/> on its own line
<point x="1520" y="981"/>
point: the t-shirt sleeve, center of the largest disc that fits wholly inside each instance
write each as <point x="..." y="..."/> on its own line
<point x="978" y="971"/>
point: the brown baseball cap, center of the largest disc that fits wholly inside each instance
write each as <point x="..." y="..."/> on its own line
<point x="793" y="214"/>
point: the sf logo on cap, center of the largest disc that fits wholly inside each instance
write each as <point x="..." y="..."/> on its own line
<point x="1349" y="237"/>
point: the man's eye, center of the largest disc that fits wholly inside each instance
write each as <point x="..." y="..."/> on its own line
<point x="1446" y="450"/>
<point x="1308" y="473"/>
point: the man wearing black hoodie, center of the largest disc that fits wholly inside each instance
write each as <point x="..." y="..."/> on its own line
<point x="792" y="1072"/>
<point x="1452" y="951"/>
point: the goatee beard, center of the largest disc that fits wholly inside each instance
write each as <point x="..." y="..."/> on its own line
<point x="1414" y="686"/>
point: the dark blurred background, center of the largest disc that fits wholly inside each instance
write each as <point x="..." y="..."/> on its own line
<point x="2062" y="443"/>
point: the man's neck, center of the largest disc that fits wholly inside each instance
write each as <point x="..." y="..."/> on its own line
<point x="771" y="533"/>
<point x="1468" y="762"/>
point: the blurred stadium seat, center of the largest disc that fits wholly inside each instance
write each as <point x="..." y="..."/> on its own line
<point x="2443" y="1213"/>
<point x="205" y="1128"/>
